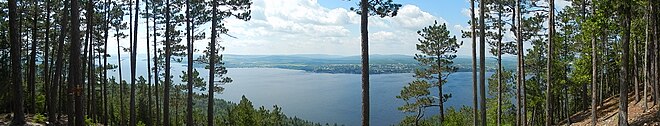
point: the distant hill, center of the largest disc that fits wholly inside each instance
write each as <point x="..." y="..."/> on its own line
<point x="348" y="64"/>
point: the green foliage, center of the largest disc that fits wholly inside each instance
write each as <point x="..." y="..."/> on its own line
<point x="508" y="92"/>
<point x="381" y="8"/>
<point x="89" y="121"/>
<point x="456" y="117"/>
<point x="39" y="118"/>
<point x="437" y="50"/>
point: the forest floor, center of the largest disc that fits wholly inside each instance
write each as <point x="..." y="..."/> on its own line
<point x="608" y="113"/>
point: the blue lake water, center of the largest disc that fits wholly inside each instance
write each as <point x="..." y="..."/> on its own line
<point x="320" y="97"/>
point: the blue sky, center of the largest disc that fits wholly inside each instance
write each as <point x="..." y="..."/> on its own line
<point x="280" y="27"/>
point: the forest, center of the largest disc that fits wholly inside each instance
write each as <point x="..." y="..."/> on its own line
<point x="593" y="62"/>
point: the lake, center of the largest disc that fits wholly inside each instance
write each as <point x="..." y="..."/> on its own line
<point x="321" y="97"/>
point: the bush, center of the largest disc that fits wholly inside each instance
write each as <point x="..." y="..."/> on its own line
<point x="39" y="118"/>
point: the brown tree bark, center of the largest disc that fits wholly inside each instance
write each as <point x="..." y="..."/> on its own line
<point x="15" y="52"/>
<point x="364" y="19"/>
<point x="548" y="98"/>
<point x="473" y="24"/>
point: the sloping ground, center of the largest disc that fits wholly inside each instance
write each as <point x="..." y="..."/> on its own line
<point x="607" y="114"/>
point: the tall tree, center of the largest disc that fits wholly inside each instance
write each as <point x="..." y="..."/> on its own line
<point x="105" y="60"/>
<point x="58" y="66"/>
<point x="133" y="121"/>
<point x="90" y="58"/>
<point x="520" y="88"/>
<point x="482" y="61"/>
<point x="33" y="58"/>
<point x="75" y="78"/>
<point x="437" y="50"/>
<point x="551" y="32"/>
<point x="19" y="116"/>
<point x="116" y="20"/>
<point x="594" y="77"/>
<point x="189" y="107"/>
<point x="240" y="9"/>
<point x="146" y="16"/>
<point x="647" y="63"/>
<point x="168" y="54"/>
<point x="500" y="26"/>
<point x="623" y="84"/>
<point x="473" y="25"/>
<point x="47" y="64"/>
<point x="381" y="8"/>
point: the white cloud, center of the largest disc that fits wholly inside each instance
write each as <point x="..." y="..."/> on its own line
<point x="306" y="27"/>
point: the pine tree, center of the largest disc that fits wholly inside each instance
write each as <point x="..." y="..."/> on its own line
<point x="19" y="116"/>
<point x="133" y="120"/>
<point x="367" y="8"/>
<point x="551" y="32"/>
<point x="473" y="25"/>
<point x="482" y="61"/>
<point x="74" y="58"/>
<point x="437" y="50"/>
<point x="33" y="56"/>
<point x="240" y="10"/>
<point x="623" y="84"/>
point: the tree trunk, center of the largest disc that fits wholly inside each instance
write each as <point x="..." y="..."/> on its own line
<point x="499" y="66"/>
<point x="647" y="63"/>
<point x="133" y="121"/>
<point x="156" y="75"/>
<point x="548" y="98"/>
<point x="121" y="85"/>
<point x="482" y="62"/>
<point x="33" y="58"/>
<point x="623" y="84"/>
<point x="594" y="77"/>
<point x="214" y="34"/>
<point x="521" y="68"/>
<point x="364" y="18"/>
<point x="75" y="78"/>
<point x="90" y="59"/>
<point x="635" y="71"/>
<point x="168" y="53"/>
<point x="189" y="107"/>
<point x="58" y="69"/>
<point x="149" y="100"/>
<point x="19" y="116"/>
<point x="105" y="62"/>
<point x="474" y="65"/>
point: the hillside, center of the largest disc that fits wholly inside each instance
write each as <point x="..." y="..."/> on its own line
<point x="608" y="114"/>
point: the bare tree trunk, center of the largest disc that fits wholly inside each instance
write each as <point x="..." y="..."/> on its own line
<point x="58" y="69"/>
<point x="482" y="62"/>
<point x="75" y="77"/>
<point x="647" y="63"/>
<point x="548" y="97"/>
<point x="365" y="61"/>
<point x="33" y="58"/>
<point x="474" y="64"/>
<point x="499" y="66"/>
<point x="521" y="69"/>
<point x="105" y="62"/>
<point x="121" y="84"/>
<point x="623" y="84"/>
<point x="149" y="102"/>
<point x="133" y="115"/>
<point x="189" y="107"/>
<point x="19" y="116"/>
<point x="214" y="34"/>
<point x="168" y="53"/>
<point x="155" y="68"/>
<point x="594" y="77"/>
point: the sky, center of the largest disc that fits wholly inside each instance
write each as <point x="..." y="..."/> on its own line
<point x="284" y="27"/>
